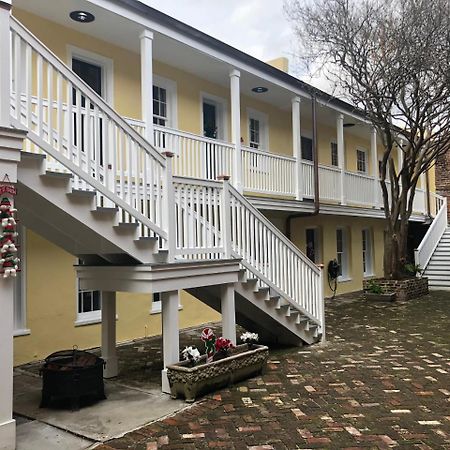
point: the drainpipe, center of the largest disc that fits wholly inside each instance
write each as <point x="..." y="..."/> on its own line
<point x="316" y="172"/>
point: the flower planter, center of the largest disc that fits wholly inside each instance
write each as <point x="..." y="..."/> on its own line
<point x="405" y="289"/>
<point x="190" y="382"/>
<point x="388" y="297"/>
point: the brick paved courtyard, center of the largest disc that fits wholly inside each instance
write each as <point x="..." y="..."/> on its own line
<point x="382" y="381"/>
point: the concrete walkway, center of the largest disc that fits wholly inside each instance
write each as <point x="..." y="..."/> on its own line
<point x="381" y="382"/>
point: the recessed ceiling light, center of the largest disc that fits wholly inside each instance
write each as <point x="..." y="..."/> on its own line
<point x="260" y="89"/>
<point x="349" y="125"/>
<point x="82" y="16"/>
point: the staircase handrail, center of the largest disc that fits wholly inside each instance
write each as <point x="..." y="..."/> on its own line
<point x="425" y="250"/>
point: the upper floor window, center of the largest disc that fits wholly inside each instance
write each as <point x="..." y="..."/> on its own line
<point x="334" y="154"/>
<point x="258" y="131"/>
<point x="361" y="161"/>
<point x="254" y="133"/>
<point x="307" y="149"/>
<point x="159" y="106"/>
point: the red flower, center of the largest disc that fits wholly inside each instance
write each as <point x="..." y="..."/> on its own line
<point x="223" y="344"/>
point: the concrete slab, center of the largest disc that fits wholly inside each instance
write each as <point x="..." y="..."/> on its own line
<point x="125" y="409"/>
<point x="35" y="435"/>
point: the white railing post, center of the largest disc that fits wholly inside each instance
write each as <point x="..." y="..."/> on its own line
<point x="146" y="38"/>
<point x="322" y="303"/>
<point x="109" y="349"/>
<point x="5" y="66"/>
<point x="236" y="127"/>
<point x="297" y="147"/>
<point x="169" y="208"/>
<point x="226" y="216"/>
<point x="228" y="311"/>
<point x="341" y="154"/>
<point x="374" y="155"/>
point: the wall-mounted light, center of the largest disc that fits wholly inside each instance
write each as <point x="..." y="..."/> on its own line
<point x="82" y="16"/>
<point x="260" y="89"/>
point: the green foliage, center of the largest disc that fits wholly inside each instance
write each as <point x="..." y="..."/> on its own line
<point x="374" y="288"/>
<point x="413" y="269"/>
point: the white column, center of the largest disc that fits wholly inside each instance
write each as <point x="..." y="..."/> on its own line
<point x="376" y="178"/>
<point x="5" y="66"/>
<point x="7" y="424"/>
<point x="341" y="154"/>
<point x="170" y="330"/>
<point x="297" y="146"/>
<point x="236" y="128"/>
<point x="146" y="38"/>
<point x="109" y="350"/>
<point x="228" y="312"/>
<point x="400" y="156"/>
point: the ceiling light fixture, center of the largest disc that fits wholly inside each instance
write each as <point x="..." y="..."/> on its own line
<point x="82" y="16"/>
<point x="260" y="89"/>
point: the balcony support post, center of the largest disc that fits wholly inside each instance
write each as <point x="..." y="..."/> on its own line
<point x="146" y="38"/>
<point x="109" y="350"/>
<point x="297" y="147"/>
<point x="5" y="66"/>
<point x="341" y="154"/>
<point x="236" y="128"/>
<point x="374" y="156"/>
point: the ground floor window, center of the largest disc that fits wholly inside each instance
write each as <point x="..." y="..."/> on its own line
<point x="156" y="303"/>
<point x="20" y="303"/>
<point x="342" y="251"/>
<point x="367" y="252"/>
<point x="89" y="306"/>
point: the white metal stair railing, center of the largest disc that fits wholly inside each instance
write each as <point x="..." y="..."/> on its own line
<point x="69" y="122"/>
<point x="430" y="241"/>
<point x="273" y="259"/>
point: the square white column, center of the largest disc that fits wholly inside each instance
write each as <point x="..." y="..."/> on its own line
<point x="236" y="178"/>
<point x="170" y="330"/>
<point x="5" y="66"/>
<point x="376" y="178"/>
<point x="297" y="146"/>
<point x="228" y="312"/>
<point x="341" y="154"/>
<point x="109" y="348"/>
<point x="146" y="38"/>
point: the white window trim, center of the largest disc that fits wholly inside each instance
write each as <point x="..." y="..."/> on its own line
<point x="105" y="63"/>
<point x="172" y="99"/>
<point x="222" y="114"/>
<point x="345" y="255"/>
<point x="90" y="317"/>
<point x="369" y="253"/>
<point x="366" y="171"/>
<point x="157" y="306"/>
<point x="263" y="128"/>
<point x="331" y="153"/>
<point x="21" y="322"/>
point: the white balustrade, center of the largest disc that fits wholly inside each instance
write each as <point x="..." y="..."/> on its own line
<point x="329" y="183"/>
<point x="308" y="179"/>
<point x="268" y="173"/>
<point x="423" y="253"/>
<point x="359" y="189"/>
<point x="79" y="131"/>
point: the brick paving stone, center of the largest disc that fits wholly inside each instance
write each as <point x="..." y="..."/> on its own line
<point x="380" y="382"/>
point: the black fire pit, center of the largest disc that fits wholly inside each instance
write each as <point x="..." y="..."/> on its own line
<point x="70" y="375"/>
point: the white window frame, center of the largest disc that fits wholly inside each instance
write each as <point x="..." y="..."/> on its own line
<point x="367" y="252"/>
<point x="334" y="143"/>
<point x="20" y="287"/>
<point x="171" y="98"/>
<point x="222" y="113"/>
<point x="105" y="63"/>
<point x="344" y="260"/>
<point x="90" y="317"/>
<point x="157" y="305"/>
<point x="366" y="164"/>
<point x="263" y="120"/>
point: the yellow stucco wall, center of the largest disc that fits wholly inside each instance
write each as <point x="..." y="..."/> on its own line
<point x="52" y="307"/>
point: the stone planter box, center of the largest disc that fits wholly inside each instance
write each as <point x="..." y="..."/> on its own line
<point x="190" y="382"/>
<point x="405" y="289"/>
<point x="390" y="297"/>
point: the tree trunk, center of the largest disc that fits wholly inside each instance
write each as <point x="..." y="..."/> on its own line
<point x="396" y="248"/>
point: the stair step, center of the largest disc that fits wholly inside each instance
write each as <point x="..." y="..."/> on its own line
<point x="106" y="210"/>
<point x="81" y="193"/>
<point x="61" y="175"/>
<point x="30" y="155"/>
<point x="127" y="225"/>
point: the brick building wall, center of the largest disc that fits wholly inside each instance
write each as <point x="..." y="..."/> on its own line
<point x="443" y="178"/>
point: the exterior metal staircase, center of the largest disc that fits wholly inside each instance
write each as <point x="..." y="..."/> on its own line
<point x="93" y="185"/>
<point x="438" y="269"/>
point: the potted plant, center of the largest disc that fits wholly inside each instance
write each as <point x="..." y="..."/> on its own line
<point x="374" y="291"/>
<point x="197" y="375"/>
<point x="250" y="339"/>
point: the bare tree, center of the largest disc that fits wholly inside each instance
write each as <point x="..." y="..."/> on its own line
<point x="391" y="58"/>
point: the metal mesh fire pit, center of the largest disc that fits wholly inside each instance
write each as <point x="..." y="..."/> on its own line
<point x="72" y="374"/>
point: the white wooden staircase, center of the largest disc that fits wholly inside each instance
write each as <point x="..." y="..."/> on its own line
<point x="93" y="185"/>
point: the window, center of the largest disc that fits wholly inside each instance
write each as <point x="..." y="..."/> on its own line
<point x="334" y="154"/>
<point x="361" y="161"/>
<point x="254" y="133"/>
<point x="89" y="306"/>
<point x="156" y="303"/>
<point x="20" y="305"/>
<point x="159" y="106"/>
<point x="312" y="244"/>
<point x="342" y="252"/>
<point x="367" y="252"/>
<point x="307" y="149"/>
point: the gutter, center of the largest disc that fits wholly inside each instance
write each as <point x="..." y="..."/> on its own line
<point x="316" y="172"/>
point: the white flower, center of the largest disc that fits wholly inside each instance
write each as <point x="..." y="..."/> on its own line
<point x="191" y="354"/>
<point x="249" y="337"/>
